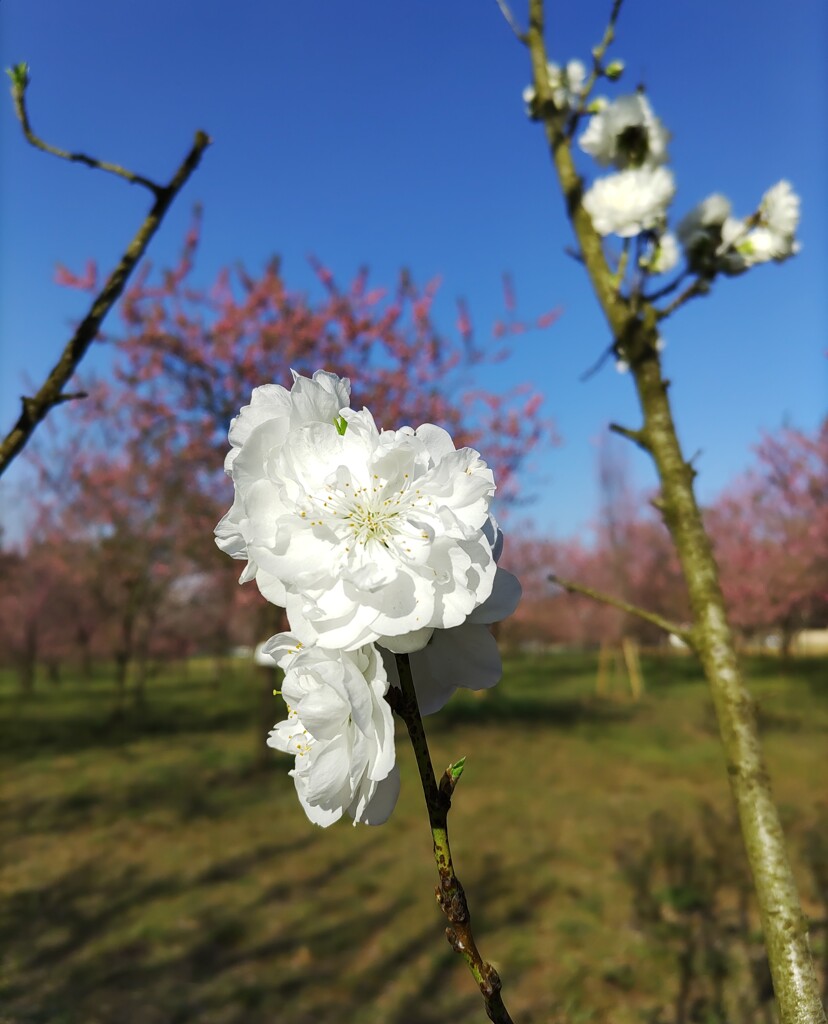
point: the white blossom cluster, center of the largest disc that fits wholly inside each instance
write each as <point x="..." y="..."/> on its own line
<point x="633" y="201"/>
<point x="714" y="240"/>
<point x="376" y="542"/>
<point x="566" y="85"/>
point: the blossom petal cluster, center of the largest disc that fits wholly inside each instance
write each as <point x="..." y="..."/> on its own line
<point x="631" y="201"/>
<point x="627" y="134"/>
<point x="340" y="729"/>
<point x="715" y="241"/>
<point x="376" y="542"/>
<point x="566" y="85"/>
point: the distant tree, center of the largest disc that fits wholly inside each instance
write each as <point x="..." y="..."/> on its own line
<point x="770" y="530"/>
<point x="137" y="481"/>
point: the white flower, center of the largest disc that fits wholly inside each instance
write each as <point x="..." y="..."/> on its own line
<point x="626" y="133"/>
<point x="360" y="533"/>
<point x="662" y="254"/>
<point x="259" y="430"/>
<point x="773" y="238"/>
<point x="779" y="210"/>
<point x="340" y="729"/>
<point x="708" y="234"/>
<point x="467" y="655"/>
<point x="631" y="201"/>
<point x="705" y="218"/>
<point x="566" y="85"/>
<point x="761" y="245"/>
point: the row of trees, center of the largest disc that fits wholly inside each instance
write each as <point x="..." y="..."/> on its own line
<point x="120" y="566"/>
<point x="119" y="562"/>
<point x="770" y="533"/>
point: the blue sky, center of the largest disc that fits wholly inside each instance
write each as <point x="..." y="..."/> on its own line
<point x="395" y="135"/>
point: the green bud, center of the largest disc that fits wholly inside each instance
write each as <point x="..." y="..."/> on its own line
<point x="614" y="70"/>
<point x="341" y="424"/>
<point x="19" y="75"/>
<point x="597" y="105"/>
<point x="456" y="769"/>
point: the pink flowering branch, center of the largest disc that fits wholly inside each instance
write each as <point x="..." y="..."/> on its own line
<point x="51" y="393"/>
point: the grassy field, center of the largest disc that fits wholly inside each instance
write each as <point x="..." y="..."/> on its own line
<point x="155" y="871"/>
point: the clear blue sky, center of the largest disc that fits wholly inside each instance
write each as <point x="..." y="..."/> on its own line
<point x="393" y="134"/>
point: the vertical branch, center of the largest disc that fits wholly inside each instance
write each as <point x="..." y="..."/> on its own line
<point x="635" y="334"/>
<point x="450" y="894"/>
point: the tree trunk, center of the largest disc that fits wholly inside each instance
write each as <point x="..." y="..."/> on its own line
<point x="27" y="671"/>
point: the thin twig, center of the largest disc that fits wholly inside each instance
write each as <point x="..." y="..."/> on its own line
<point x="51" y="392"/>
<point x="701" y="286"/>
<point x="599" y="362"/>
<point x="450" y="894"/>
<point x="20" y="81"/>
<point x="598" y="54"/>
<point x="616" y="602"/>
<point x="511" y="21"/>
<point x="638" y="437"/>
<point x="668" y="289"/>
<point x="574" y="254"/>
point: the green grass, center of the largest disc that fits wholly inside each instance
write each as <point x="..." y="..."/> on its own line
<point x="154" y="871"/>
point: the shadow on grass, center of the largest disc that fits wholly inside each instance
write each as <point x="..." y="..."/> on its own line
<point x="497" y="708"/>
<point x="87" y="946"/>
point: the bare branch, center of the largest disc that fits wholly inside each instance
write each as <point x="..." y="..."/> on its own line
<point x="511" y="21"/>
<point x="20" y="81"/>
<point x="599" y="362"/>
<point x="668" y="288"/>
<point x="598" y="54"/>
<point x="616" y="602"/>
<point x="638" y="437"/>
<point x="701" y="286"/>
<point x="51" y="392"/>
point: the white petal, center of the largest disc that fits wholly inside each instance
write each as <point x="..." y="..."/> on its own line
<point x="502" y="601"/>
<point x="382" y="802"/>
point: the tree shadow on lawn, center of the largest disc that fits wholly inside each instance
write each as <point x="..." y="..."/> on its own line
<point x="24" y="734"/>
<point x="502" y="708"/>
<point x="186" y="793"/>
<point x="325" y="965"/>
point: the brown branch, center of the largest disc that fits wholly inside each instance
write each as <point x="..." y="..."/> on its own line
<point x="511" y="21"/>
<point x="51" y="393"/>
<point x="450" y="895"/>
<point x="20" y="81"/>
<point x="616" y="602"/>
<point x="701" y="286"/>
<point x="635" y="333"/>
<point x="668" y="288"/>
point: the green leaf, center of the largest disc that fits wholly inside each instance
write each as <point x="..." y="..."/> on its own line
<point x="341" y="424"/>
